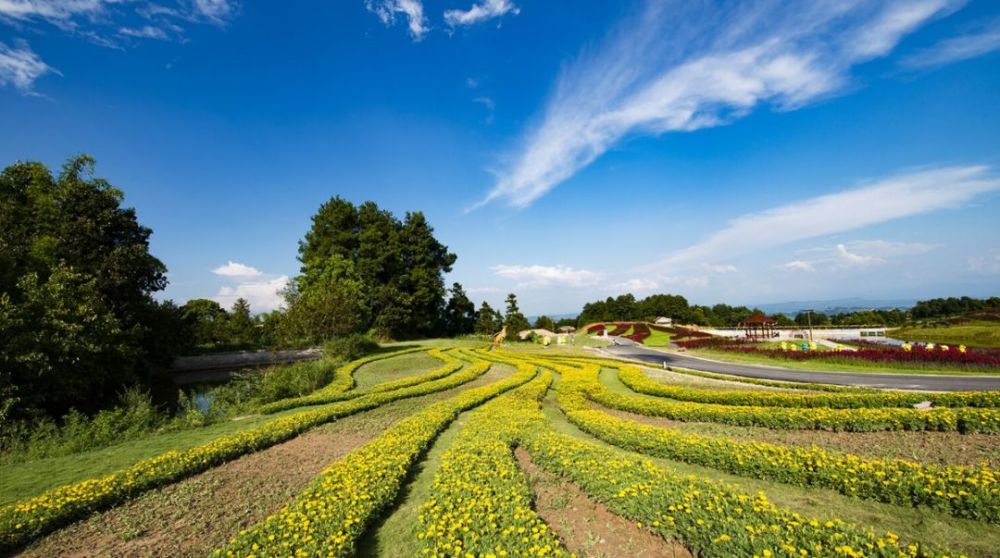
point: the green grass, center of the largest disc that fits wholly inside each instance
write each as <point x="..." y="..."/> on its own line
<point x="823" y="364"/>
<point x="395" y="368"/>
<point x="974" y="538"/>
<point x="980" y="333"/>
<point x="657" y="339"/>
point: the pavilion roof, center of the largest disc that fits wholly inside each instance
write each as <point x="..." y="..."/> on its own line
<point x="760" y="319"/>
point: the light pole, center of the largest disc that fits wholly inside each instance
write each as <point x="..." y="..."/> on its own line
<point x="809" y="321"/>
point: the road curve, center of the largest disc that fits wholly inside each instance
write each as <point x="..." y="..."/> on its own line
<point x="921" y="382"/>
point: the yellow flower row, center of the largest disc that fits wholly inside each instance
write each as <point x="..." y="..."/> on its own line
<point x="480" y="504"/>
<point x="330" y="515"/>
<point x="28" y="519"/>
<point x="713" y="519"/>
<point x="333" y="392"/>
<point x="633" y="377"/>
<point x="962" y="419"/>
<point x="962" y="491"/>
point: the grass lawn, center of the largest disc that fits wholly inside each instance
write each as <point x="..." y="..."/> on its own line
<point x="394" y="368"/>
<point x="979" y="333"/>
<point x="839" y="366"/>
<point x="973" y="538"/>
<point x="657" y="339"/>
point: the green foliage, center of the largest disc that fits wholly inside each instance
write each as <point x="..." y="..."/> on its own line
<point x="545" y="322"/>
<point x="350" y="347"/>
<point x="396" y="267"/>
<point x="942" y="307"/>
<point x="488" y="320"/>
<point x="459" y="313"/>
<point x="76" y="279"/>
<point x="327" y="304"/>
<point x="514" y="319"/>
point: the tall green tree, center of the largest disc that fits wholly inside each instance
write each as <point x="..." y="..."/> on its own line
<point x="459" y="313"/>
<point x="68" y="238"/>
<point x="514" y="319"/>
<point x="488" y="320"/>
<point x="241" y="325"/>
<point x="545" y="322"/>
<point x="207" y="320"/>
<point x="399" y="263"/>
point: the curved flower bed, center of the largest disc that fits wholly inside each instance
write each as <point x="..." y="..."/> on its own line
<point x="28" y="519"/>
<point x="969" y="358"/>
<point x="596" y="328"/>
<point x="620" y="329"/>
<point x="640" y="332"/>
<point x="328" y="517"/>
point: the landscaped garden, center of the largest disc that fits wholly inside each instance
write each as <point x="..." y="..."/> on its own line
<point x="451" y="450"/>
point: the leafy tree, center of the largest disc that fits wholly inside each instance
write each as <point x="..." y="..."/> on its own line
<point x="817" y="319"/>
<point x="335" y="304"/>
<point x="545" y="322"/>
<point x="514" y="319"/>
<point x="400" y="265"/>
<point x="488" y="320"/>
<point x="241" y="325"/>
<point x="207" y="320"/>
<point x="67" y="240"/>
<point x="572" y="322"/>
<point x="459" y="313"/>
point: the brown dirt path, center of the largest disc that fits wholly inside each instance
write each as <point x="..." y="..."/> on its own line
<point x="196" y="515"/>
<point x="589" y="528"/>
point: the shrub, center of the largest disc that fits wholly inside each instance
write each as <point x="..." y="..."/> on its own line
<point x="350" y="347"/>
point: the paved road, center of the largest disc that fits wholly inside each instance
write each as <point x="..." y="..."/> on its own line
<point x="922" y="382"/>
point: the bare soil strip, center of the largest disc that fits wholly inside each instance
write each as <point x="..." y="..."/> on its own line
<point x="196" y="515"/>
<point x="588" y="528"/>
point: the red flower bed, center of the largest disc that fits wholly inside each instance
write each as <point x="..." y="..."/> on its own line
<point x="620" y="328"/>
<point x="596" y="328"/>
<point x="872" y="352"/>
<point x="640" y="332"/>
<point x="711" y="343"/>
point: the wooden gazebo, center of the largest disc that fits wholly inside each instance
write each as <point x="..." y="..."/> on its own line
<point x="759" y="327"/>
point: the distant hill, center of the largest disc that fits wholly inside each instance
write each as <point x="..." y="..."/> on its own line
<point x="835" y="306"/>
<point x="555" y="317"/>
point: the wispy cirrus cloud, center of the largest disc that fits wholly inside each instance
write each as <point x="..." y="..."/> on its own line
<point x="480" y="12"/>
<point x="118" y="23"/>
<point x="679" y="67"/>
<point x="982" y="39"/>
<point x="529" y="276"/>
<point x="20" y="67"/>
<point x="413" y="10"/>
<point x="895" y="197"/>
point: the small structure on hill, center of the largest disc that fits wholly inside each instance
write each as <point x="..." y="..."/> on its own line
<point x="759" y="327"/>
<point x="664" y="321"/>
<point x="567" y="329"/>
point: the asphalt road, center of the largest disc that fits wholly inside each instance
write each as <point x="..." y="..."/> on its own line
<point x="921" y="382"/>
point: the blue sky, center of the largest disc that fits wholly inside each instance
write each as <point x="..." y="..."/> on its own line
<point x="745" y="152"/>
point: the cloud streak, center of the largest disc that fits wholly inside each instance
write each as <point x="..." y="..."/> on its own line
<point x="902" y="195"/>
<point x="480" y="12"/>
<point x="982" y="41"/>
<point x="20" y="67"/>
<point x="413" y="10"/>
<point x="529" y="276"/>
<point x="679" y="67"/>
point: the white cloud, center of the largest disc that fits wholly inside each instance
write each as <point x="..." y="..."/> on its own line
<point x="985" y="264"/>
<point x="216" y="11"/>
<point x="386" y="11"/>
<point x="981" y="41"/>
<point x="236" y="269"/>
<point x="488" y="9"/>
<point x="902" y="195"/>
<point x="105" y="22"/>
<point x="851" y="259"/>
<point x="676" y="67"/>
<point x="718" y="268"/>
<point x="20" y="67"/>
<point x="144" y="32"/>
<point x="798" y="265"/>
<point x="263" y="296"/>
<point x="545" y="276"/>
<point x="636" y="285"/>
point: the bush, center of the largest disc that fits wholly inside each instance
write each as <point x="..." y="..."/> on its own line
<point x="350" y="347"/>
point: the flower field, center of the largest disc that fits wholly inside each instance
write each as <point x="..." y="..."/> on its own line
<point x="448" y="468"/>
